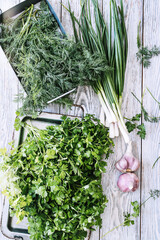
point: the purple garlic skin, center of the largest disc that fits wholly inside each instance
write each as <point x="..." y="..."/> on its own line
<point x="128" y="163"/>
<point x="128" y="182"/>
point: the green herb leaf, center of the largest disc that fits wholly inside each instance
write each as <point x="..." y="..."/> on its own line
<point x="137" y="117"/>
<point x="130" y="126"/>
<point x="142" y="131"/>
<point x="127" y="220"/>
<point x="144" y="55"/>
<point x="136" y="209"/>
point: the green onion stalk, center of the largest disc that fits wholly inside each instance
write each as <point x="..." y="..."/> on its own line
<point x="110" y="40"/>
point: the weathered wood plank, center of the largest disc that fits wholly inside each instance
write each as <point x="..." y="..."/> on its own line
<point x="120" y="202"/>
<point x="8" y="90"/>
<point x="150" y="148"/>
<point x="5" y="5"/>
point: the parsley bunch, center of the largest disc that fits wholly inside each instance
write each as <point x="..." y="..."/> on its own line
<point x="54" y="178"/>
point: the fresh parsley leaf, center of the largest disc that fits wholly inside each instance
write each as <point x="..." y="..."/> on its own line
<point x="137" y="117"/>
<point x="142" y="131"/>
<point x="128" y="217"/>
<point x="136" y="209"/>
<point x="127" y="220"/>
<point x="130" y="126"/>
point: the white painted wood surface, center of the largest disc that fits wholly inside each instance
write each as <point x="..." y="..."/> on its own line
<point x="147" y="227"/>
<point x="150" y="217"/>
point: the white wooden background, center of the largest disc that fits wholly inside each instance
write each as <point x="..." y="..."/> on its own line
<point x="147" y="226"/>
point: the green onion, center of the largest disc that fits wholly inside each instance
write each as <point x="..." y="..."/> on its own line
<point x="110" y="40"/>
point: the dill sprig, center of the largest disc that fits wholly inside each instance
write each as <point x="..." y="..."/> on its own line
<point x="144" y="55"/>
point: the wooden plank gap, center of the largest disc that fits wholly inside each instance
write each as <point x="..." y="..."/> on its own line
<point x="141" y="165"/>
<point x="61" y="11"/>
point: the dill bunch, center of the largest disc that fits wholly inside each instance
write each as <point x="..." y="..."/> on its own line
<point x="46" y="62"/>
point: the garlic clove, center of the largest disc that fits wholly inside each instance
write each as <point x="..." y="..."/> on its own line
<point x="122" y="165"/>
<point x="128" y="182"/>
<point x="133" y="163"/>
<point x="128" y="163"/>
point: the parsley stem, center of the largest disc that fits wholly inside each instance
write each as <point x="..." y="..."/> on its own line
<point x="112" y="230"/>
<point x="129" y="119"/>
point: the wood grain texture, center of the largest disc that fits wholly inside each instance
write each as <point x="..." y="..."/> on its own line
<point x="151" y="147"/>
<point x="8" y="90"/>
<point x="5" y="5"/>
<point x="85" y="96"/>
<point x="121" y="202"/>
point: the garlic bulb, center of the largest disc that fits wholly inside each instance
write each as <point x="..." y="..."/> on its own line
<point x="128" y="182"/>
<point x="128" y="163"/>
